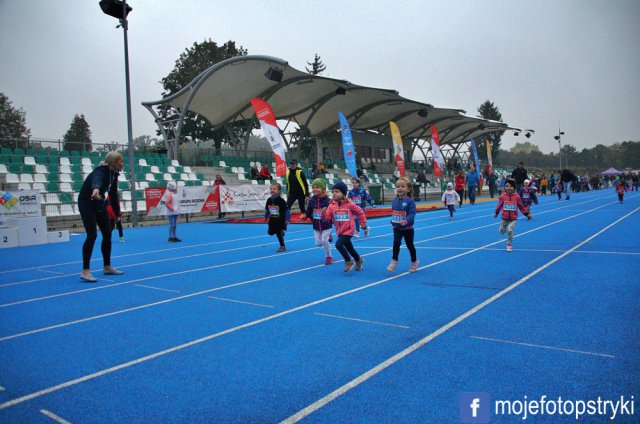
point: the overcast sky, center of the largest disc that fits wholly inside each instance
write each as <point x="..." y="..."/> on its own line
<point x="573" y="64"/>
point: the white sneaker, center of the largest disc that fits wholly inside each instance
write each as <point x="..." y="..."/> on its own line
<point x="366" y="232"/>
<point x="392" y="265"/>
<point x="509" y="247"/>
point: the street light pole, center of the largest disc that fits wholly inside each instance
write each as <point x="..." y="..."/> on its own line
<point x="558" y="137"/>
<point x="132" y="172"/>
<point x="119" y="9"/>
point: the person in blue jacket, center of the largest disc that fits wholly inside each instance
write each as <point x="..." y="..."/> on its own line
<point x="473" y="178"/>
<point x="360" y="197"/>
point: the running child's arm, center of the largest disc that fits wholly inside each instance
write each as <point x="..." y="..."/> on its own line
<point x="523" y="208"/>
<point x="411" y="212"/>
<point x="369" y="199"/>
<point x="534" y="197"/>
<point x="287" y="214"/>
<point x="499" y="207"/>
<point x="361" y="215"/>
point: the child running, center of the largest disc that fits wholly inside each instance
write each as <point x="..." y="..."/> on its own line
<point x="450" y="197"/>
<point x="360" y="197"/>
<point x="620" y="189"/>
<point x="321" y="229"/>
<point x="343" y="212"/>
<point x="173" y="211"/>
<point x="509" y="203"/>
<point x="528" y="194"/>
<point x="403" y="213"/>
<point x="277" y="214"/>
<point x="558" y="189"/>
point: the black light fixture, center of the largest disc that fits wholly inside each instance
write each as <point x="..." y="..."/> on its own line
<point x="528" y="135"/>
<point x="115" y="8"/>
<point x="341" y="91"/>
<point x="273" y="74"/>
<point x="516" y="133"/>
<point x="423" y="113"/>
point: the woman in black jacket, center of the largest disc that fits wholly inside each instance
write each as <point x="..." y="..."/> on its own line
<point x="101" y="182"/>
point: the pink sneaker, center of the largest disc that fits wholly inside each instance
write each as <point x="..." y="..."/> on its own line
<point x="328" y="260"/>
<point x="414" y="266"/>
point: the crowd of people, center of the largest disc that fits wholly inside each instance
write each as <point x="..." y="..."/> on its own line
<point x="344" y="209"/>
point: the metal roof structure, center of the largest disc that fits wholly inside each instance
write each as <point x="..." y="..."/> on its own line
<point x="222" y="95"/>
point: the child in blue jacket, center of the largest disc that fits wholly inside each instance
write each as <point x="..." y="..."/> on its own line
<point x="360" y="197"/>
<point x="321" y="229"/>
<point x="403" y="213"/>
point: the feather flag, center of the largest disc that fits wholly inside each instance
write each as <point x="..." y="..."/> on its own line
<point x="270" y="131"/>
<point x="438" y="160"/>
<point x="398" y="150"/>
<point x="347" y="146"/>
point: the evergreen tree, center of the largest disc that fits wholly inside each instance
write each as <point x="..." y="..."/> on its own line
<point x="488" y="110"/>
<point x="12" y="123"/>
<point x="78" y="137"/>
<point x="317" y="67"/>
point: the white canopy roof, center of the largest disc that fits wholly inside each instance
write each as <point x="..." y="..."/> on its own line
<point x="222" y="95"/>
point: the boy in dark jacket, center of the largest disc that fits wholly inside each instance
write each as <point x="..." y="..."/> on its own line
<point x="277" y="214"/>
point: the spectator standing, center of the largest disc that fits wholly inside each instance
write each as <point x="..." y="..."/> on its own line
<point x="297" y="186"/>
<point x="519" y="174"/>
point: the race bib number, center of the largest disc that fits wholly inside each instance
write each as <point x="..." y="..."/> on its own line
<point x="317" y="214"/>
<point x="341" y="216"/>
<point x="510" y="206"/>
<point x="525" y="195"/>
<point x="397" y="216"/>
<point x="274" y="211"/>
<point x="356" y="200"/>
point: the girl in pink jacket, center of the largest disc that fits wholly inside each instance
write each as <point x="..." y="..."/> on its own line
<point x="509" y="203"/>
<point x="343" y="212"/>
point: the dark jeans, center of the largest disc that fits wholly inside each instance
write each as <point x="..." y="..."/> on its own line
<point x="461" y="194"/>
<point x="471" y="191"/>
<point x="118" y="224"/>
<point x="492" y="189"/>
<point x="90" y="219"/>
<point x="291" y="199"/>
<point x="345" y="248"/>
<point x="452" y="209"/>
<point x="398" y="235"/>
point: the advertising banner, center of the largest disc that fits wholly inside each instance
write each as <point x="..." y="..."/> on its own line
<point x="20" y="204"/>
<point x="193" y="199"/>
<point x="243" y="197"/>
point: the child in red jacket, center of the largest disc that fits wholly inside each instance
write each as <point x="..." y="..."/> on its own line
<point x="509" y="203"/>
<point x="620" y="189"/>
<point x="343" y="212"/>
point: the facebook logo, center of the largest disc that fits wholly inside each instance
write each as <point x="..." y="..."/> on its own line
<point x="474" y="407"/>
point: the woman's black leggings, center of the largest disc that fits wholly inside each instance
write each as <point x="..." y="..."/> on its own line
<point x="397" y="240"/>
<point x="344" y="246"/>
<point x="461" y="194"/>
<point x="90" y="219"/>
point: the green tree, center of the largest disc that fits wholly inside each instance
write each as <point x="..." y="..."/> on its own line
<point x="524" y="148"/>
<point x="488" y="110"/>
<point x="78" y="137"/>
<point x="317" y="67"/>
<point x="145" y="142"/>
<point x="13" y="123"/>
<point x="191" y="63"/>
<point x="630" y="154"/>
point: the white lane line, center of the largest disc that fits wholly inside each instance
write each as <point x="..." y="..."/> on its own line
<point x="399" y="356"/>
<point x="171" y="274"/>
<point x="54" y="417"/>
<point x="122" y="311"/>
<point x="156" y="288"/>
<point x="303" y="413"/>
<point x="47" y="271"/>
<point x="361" y="320"/>
<point x="240" y="301"/>
<point x="542" y="346"/>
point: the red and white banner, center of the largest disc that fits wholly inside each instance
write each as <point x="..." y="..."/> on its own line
<point x="270" y="131"/>
<point x="243" y="198"/>
<point x="438" y="160"/>
<point x="193" y="199"/>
